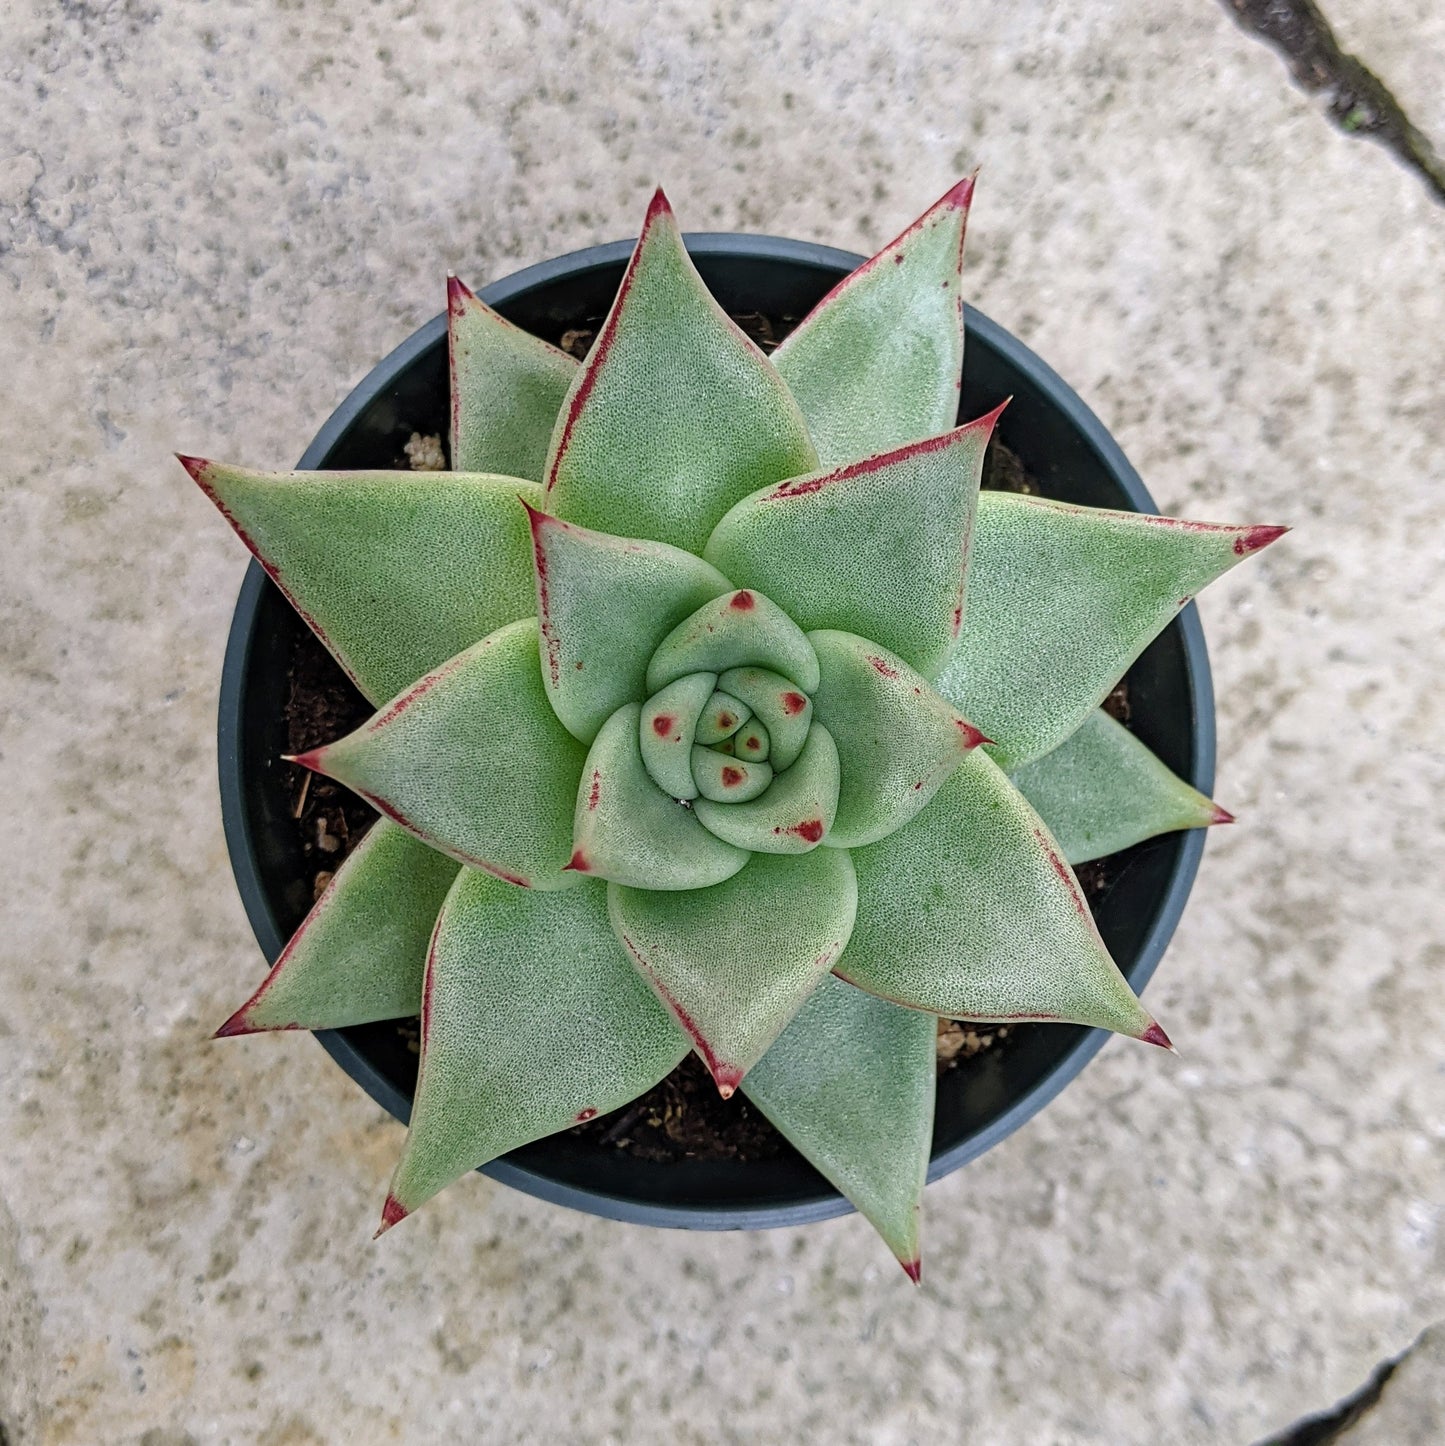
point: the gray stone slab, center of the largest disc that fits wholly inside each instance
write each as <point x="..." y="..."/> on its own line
<point x="213" y="219"/>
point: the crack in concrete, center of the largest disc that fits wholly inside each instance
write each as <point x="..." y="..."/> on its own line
<point x="1327" y="1426"/>
<point x="1357" y="100"/>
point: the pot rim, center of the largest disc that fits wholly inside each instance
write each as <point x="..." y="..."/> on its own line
<point x="233" y="781"/>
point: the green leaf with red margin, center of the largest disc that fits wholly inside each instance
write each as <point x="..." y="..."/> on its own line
<point x="628" y="830"/>
<point x="796" y="812"/>
<point x="605" y="603"/>
<point x="472" y="760"/>
<point x="850" y="1084"/>
<point x="898" y="741"/>
<point x="507" y="388"/>
<point x="878" y="547"/>
<point x="358" y="955"/>
<point x="1061" y="600"/>
<point x="675" y="415"/>
<point x="734" y="963"/>
<point x="738" y="629"/>
<point x="877" y="362"/>
<point x="1102" y="790"/>
<point x="971" y="913"/>
<point x="395" y="572"/>
<point x="532" y="1020"/>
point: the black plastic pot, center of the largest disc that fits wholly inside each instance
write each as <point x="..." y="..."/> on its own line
<point x="1061" y="443"/>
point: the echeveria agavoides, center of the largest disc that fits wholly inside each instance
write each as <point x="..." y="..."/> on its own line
<point x="717" y="710"/>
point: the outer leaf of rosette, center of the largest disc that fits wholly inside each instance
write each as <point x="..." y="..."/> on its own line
<point x="675" y="415"/>
<point x="359" y="954"/>
<point x="533" y="1019"/>
<point x="898" y="740"/>
<point x="877" y="547"/>
<point x="395" y="572"/>
<point x="472" y="760"/>
<point x="507" y="387"/>
<point x="850" y="1084"/>
<point x="1102" y="790"/>
<point x="605" y="603"/>
<point x="783" y="709"/>
<point x="793" y="815"/>
<point x="667" y="728"/>
<point x="734" y="962"/>
<point x="877" y="362"/>
<point x="628" y="830"/>
<point x="739" y="629"/>
<point x="1061" y="600"/>
<point x="971" y="913"/>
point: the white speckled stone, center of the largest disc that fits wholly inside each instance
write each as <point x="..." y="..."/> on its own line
<point x="213" y="219"/>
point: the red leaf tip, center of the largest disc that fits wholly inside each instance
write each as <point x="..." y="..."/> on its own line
<point x="577" y="864"/>
<point x="657" y="207"/>
<point x="310" y="759"/>
<point x="1221" y="815"/>
<point x="1155" y="1035"/>
<point x="727" y="1077"/>
<point x="194" y="465"/>
<point x="235" y="1025"/>
<point x="913" y="1269"/>
<point x="392" y="1213"/>
<point x="989" y="420"/>
<point x="1255" y="539"/>
<point x="960" y="195"/>
<point x="458" y="294"/>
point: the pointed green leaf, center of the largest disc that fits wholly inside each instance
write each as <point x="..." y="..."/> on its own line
<point x="734" y="962"/>
<point x="1061" y="600"/>
<point x="784" y="712"/>
<point x="394" y="571"/>
<point x="738" y="629"/>
<point x="877" y="362"/>
<point x="898" y="740"/>
<point x="721" y="717"/>
<point x="971" y="912"/>
<point x="472" y="760"/>
<point x="877" y="547"/>
<point x="796" y="812"/>
<point x="358" y="955"/>
<point x="667" y="729"/>
<point x="507" y="388"/>
<point x="533" y="1020"/>
<point x="605" y="604"/>
<point x="1102" y="790"/>
<point x="627" y="829"/>
<point x="726" y="778"/>
<point x="850" y="1084"/>
<point x="752" y="743"/>
<point x="675" y="415"/>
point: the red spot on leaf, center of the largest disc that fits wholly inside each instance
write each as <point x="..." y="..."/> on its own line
<point x="725" y="720"/>
<point x="584" y="1115"/>
<point x="794" y="703"/>
<point x="918" y="785"/>
<point x="957" y="619"/>
<point x="1065" y="873"/>
<point x="882" y="666"/>
<point x="662" y="724"/>
<point x="596" y="793"/>
<point x="578" y="863"/>
<point x="743" y="601"/>
<point x="810" y="830"/>
<point x="731" y="777"/>
<point x="970" y="736"/>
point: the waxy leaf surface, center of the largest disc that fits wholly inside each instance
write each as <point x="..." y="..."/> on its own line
<point x="898" y="740"/>
<point x="627" y="829"/>
<point x="471" y="759"/>
<point x="533" y="1020"/>
<point x="394" y="571"/>
<point x="877" y="362"/>
<point x="1102" y="790"/>
<point x="850" y="1084"/>
<point x="667" y="728"/>
<point x="359" y="954"/>
<point x="507" y="388"/>
<point x="734" y="962"/>
<point x="877" y="547"/>
<point x="605" y="603"/>
<point x="675" y="415"/>
<point x="785" y="713"/>
<point x="971" y="912"/>
<point x="795" y="813"/>
<point x="1061" y="600"/>
<point x="738" y="629"/>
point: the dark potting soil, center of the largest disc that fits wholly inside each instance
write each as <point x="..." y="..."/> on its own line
<point x="683" y="1117"/>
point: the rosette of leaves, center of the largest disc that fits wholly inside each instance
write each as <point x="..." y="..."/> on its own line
<point x="718" y="711"/>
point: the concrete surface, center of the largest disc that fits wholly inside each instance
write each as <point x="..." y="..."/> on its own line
<point x="213" y="218"/>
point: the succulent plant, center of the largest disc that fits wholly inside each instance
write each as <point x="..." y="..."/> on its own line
<point x="684" y="739"/>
